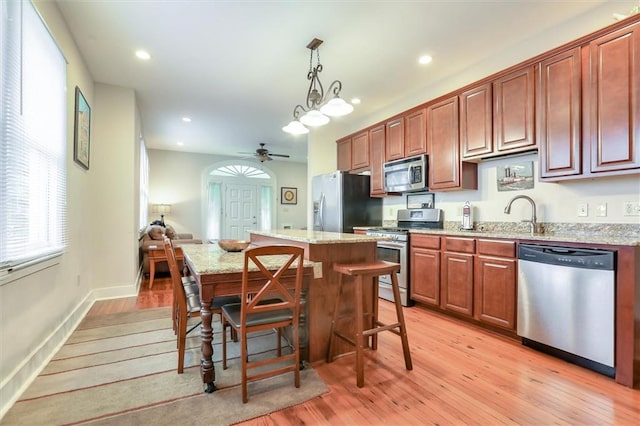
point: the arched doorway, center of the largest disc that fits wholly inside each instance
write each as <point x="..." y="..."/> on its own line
<point x="239" y="196"/>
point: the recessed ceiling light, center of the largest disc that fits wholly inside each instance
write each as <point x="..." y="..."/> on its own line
<point x="425" y="59"/>
<point x="143" y="54"/>
<point x="355" y="101"/>
<point x="180" y="143"/>
<point x="186" y="119"/>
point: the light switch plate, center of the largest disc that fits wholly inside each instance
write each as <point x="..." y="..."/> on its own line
<point x="582" y="209"/>
<point x="601" y="209"/>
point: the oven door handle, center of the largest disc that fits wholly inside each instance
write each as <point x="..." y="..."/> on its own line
<point x="389" y="244"/>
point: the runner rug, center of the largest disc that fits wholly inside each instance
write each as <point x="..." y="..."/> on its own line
<point x="121" y="369"/>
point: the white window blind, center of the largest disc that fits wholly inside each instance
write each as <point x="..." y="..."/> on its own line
<point x="144" y="185"/>
<point x="33" y="144"/>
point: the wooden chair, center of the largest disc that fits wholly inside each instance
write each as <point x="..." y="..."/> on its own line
<point x="186" y="296"/>
<point x="271" y="306"/>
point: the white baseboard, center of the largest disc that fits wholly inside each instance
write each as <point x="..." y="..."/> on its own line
<point x="20" y="379"/>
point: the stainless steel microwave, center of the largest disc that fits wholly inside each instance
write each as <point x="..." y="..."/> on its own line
<point x="406" y="175"/>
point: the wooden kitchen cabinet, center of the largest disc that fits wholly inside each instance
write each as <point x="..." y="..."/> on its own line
<point x="612" y="102"/>
<point x="456" y="276"/>
<point x="446" y="171"/>
<point x="415" y="133"/>
<point x="559" y="115"/>
<point x="394" y="147"/>
<point x="513" y="114"/>
<point x="377" y="144"/>
<point x="344" y="154"/>
<point x="476" y="122"/>
<point x="495" y="283"/>
<point x="425" y="269"/>
<point x="360" y="151"/>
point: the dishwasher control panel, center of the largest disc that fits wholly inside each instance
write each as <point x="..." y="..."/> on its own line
<point x="568" y="256"/>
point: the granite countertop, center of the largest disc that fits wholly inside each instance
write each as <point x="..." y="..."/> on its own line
<point x="550" y="237"/>
<point x="211" y="259"/>
<point x="317" y="237"/>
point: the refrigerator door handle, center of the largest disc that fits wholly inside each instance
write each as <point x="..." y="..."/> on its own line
<point x="321" y="211"/>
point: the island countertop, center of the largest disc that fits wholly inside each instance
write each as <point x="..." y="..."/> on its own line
<point x="317" y="237"/>
<point x="211" y="259"/>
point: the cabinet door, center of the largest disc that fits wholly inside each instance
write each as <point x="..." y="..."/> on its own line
<point x="415" y="133"/>
<point x="425" y="276"/>
<point x="495" y="291"/>
<point x="443" y="144"/>
<point x="613" y="104"/>
<point x="476" y="121"/>
<point x="513" y="118"/>
<point x="394" y="148"/>
<point x="377" y="141"/>
<point x="360" y="151"/>
<point x="559" y="112"/>
<point x="457" y="283"/>
<point x="344" y="154"/>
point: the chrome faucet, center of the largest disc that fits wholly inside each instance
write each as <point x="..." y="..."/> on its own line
<point x="532" y="222"/>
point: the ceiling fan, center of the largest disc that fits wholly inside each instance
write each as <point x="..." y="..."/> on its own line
<point x="263" y="154"/>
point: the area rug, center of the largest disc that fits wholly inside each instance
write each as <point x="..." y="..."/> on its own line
<point x="121" y="369"/>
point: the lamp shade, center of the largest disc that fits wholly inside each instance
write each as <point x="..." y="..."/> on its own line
<point x="314" y="118"/>
<point x="295" y="128"/>
<point x="162" y="208"/>
<point x="336" y="107"/>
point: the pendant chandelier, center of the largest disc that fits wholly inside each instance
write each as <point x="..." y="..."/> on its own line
<point x="317" y="110"/>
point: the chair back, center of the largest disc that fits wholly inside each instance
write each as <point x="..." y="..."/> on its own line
<point x="274" y="294"/>
<point x="179" y="297"/>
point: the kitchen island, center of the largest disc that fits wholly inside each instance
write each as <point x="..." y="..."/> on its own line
<point x="326" y="248"/>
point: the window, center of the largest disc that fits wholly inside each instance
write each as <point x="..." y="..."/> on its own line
<point x="33" y="143"/>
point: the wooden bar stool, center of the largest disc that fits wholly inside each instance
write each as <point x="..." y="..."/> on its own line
<point x="365" y="274"/>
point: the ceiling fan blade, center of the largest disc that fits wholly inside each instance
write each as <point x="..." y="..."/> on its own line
<point x="279" y="155"/>
<point x="247" y="153"/>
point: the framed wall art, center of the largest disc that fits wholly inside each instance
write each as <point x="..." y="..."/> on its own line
<point x="288" y="195"/>
<point x="514" y="177"/>
<point x="82" y="130"/>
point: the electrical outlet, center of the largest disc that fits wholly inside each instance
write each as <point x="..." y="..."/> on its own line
<point x="582" y="209"/>
<point x="601" y="209"/>
<point x="631" y="208"/>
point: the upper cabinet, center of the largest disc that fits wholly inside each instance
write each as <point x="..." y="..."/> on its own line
<point x="612" y="101"/>
<point x="513" y="115"/>
<point x="415" y="133"/>
<point x="344" y="154"/>
<point x="476" y="122"/>
<point x="394" y="148"/>
<point x="446" y="171"/>
<point x="588" y="108"/>
<point x="559" y="115"/>
<point x="353" y="152"/>
<point x="377" y="143"/>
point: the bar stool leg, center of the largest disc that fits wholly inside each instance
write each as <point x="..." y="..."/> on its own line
<point x="403" y="329"/>
<point x="374" y="316"/>
<point x="336" y="309"/>
<point x="359" y="331"/>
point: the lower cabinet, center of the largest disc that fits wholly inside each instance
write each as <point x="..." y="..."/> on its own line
<point x="467" y="276"/>
<point x="456" y="275"/>
<point x="425" y="269"/>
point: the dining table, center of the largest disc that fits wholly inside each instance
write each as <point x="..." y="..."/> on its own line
<point x="219" y="273"/>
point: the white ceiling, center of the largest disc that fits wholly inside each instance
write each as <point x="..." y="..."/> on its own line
<point x="237" y="68"/>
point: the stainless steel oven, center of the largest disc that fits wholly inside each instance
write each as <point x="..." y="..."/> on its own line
<point x="395" y="248"/>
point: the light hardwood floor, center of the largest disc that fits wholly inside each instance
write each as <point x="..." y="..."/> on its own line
<point x="462" y="375"/>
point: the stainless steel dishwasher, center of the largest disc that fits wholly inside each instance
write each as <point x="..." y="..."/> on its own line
<point x="566" y="303"/>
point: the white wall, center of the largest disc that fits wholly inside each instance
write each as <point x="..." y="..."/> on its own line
<point x="176" y="178"/>
<point x="41" y="307"/>
<point x="556" y="201"/>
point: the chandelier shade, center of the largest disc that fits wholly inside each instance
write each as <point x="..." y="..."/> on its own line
<point x="317" y="109"/>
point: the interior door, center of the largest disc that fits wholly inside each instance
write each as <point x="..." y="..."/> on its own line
<point x="241" y="208"/>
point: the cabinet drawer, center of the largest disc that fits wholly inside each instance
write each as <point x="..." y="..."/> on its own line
<point x="425" y="241"/>
<point x="461" y="245"/>
<point x="497" y="248"/>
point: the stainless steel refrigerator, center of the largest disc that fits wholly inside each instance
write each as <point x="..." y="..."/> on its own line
<point x="342" y="201"/>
